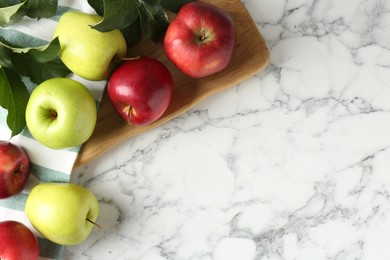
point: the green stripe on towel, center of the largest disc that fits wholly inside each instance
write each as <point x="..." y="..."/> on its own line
<point x="17" y="38"/>
<point x="49" y="249"/>
<point x="48" y="175"/>
<point x="15" y="202"/>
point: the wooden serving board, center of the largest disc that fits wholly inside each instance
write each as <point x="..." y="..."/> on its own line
<point x="250" y="56"/>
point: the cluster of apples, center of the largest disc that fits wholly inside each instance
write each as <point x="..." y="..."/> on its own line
<point x="64" y="213"/>
<point x="199" y="42"/>
<point x="61" y="112"/>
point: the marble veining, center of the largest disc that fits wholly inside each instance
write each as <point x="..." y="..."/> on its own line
<point x="290" y="164"/>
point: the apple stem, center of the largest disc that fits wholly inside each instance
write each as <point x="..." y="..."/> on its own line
<point x="94" y="223"/>
<point x="131" y="58"/>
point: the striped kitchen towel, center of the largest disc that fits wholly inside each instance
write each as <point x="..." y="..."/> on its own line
<point x="46" y="164"/>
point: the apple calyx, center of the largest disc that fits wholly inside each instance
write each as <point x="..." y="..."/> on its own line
<point x="92" y="222"/>
<point x="53" y="114"/>
<point x="202" y="34"/>
<point x="17" y="173"/>
<point x="128" y="110"/>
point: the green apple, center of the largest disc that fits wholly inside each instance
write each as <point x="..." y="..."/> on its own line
<point x="61" y="113"/>
<point x="85" y="51"/>
<point x="64" y="213"/>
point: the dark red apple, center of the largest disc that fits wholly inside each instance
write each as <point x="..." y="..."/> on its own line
<point x="17" y="242"/>
<point x="14" y="169"/>
<point x="140" y="90"/>
<point x="200" y="40"/>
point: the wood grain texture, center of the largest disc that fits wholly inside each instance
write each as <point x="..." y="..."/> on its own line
<point x="250" y="56"/>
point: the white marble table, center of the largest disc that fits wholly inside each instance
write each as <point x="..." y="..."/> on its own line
<point x="291" y="164"/>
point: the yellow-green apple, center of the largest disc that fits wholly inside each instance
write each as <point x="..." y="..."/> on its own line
<point x="64" y="213"/>
<point x="14" y="169"/>
<point x="17" y="242"/>
<point x="200" y="40"/>
<point x="140" y="90"/>
<point x="61" y="113"/>
<point x="85" y="51"/>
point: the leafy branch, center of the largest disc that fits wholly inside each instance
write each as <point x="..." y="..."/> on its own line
<point x="36" y="63"/>
<point x="13" y="11"/>
<point x="136" y="17"/>
<point x="17" y="62"/>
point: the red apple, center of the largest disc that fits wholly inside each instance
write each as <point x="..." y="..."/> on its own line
<point x="140" y="90"/>
<point x="14" y="169"/>
<point x="200" y="40"/>
<point x="17" y="242"/>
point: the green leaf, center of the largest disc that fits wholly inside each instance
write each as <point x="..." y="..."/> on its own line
<point x="10" y="14"/>
<point x="133" y="32"/>
<point x="135" y="17"/>
<point x="13" y="97"/>
<point x="154" y="20"/>
<point x="37" y="63"/>
<point x="174" y="5"/>
<point x="18" y="49"/>
<point x="4" y="3"/>
<point x="47" y="52"/>
<point x="38" y="72"/>
<point x="5" y="57"/>
<point x="97" y="5"/>
<point x="118" y="14"/>
<point x="42" y="8"/>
